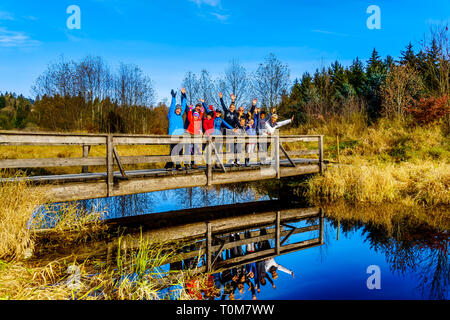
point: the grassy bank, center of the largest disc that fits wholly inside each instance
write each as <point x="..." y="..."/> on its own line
<point x="391" y="161"/>
<point x="30" y="268"/>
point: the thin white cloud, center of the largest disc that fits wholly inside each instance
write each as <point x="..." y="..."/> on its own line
<point x="330" y="33"/>
<point x="6" y="16"/>
<point x="212" y="3"/>
<point x="15" y="39"/>
<point x="220" y="17"/>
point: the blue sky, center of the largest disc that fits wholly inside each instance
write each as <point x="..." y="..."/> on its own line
<point x="169" y="38"/>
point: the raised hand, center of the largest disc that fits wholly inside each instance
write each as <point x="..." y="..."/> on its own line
<point x="220" y="95"/>
<point x="183" y="90"/>
<point x="255" y="101"/>
<point x="233" y="97"/>
<point x="201" y="100"/>
<point x="173" y="93"/>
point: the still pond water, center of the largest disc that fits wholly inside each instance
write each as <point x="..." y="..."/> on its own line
<point x="411" y="264"/>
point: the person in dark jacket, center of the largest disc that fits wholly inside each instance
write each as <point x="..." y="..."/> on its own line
<point x="231" y="117"/>
<point x="220" y="125"/>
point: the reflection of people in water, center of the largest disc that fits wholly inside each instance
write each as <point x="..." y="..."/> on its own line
<point x="271" y="266"/>
<point x="261" y="276"/>
<point x="229" y="282"/>
<point x="252" y="275"/>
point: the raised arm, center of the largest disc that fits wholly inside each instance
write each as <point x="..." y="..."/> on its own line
<point x="183" y="101"/>
<point x="224" y="108"/>
<point x="286" y="270"/>
<point x="254" y="102"/>
<point x="227" y="125"/>
<point x="283" y="123"/>
<point x="173" y="104"/>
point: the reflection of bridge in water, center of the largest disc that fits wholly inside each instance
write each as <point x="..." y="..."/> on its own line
<point x="206" y="231"/>
<point x="116" y="181"/>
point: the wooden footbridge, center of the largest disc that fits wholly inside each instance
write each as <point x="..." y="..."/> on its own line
<point x="116" y="181"/>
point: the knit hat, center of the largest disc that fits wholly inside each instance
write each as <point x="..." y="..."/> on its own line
<point x="178" y="106"/>
<point x="196" y="114"/>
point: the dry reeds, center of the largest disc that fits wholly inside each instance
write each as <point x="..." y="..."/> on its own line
<point x="16" y="208"/>
<point x="425" y="184"/>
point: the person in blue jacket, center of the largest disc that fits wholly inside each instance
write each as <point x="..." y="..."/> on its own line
<point x="176" y="126"/>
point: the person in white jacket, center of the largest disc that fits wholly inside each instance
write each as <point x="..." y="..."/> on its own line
<point x="271" y="126"/>
<point x="272" y="267"/>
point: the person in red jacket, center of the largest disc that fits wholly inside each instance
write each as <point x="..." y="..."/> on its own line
<point x="195" y="117"/>
<point x="208" y="122"/>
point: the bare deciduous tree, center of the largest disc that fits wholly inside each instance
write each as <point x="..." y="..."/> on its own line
<point x="271" y="80"/>
<point x="191" y="84"/>
<point x="237" y="81"/>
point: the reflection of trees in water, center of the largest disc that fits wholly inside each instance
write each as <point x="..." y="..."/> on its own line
<point x="146" y="203"/>
<point x="411" y="247"/>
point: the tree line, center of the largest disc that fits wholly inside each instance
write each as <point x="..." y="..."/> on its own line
<point x="87" y="95"/>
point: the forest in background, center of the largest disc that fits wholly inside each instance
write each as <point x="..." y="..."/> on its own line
<point x="87" y="96"/>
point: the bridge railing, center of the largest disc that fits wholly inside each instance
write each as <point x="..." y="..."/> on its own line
<point x="210" y="150"/>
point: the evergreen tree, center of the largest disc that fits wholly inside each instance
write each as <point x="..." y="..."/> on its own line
<point x="376" y="74"/>
<point x="375" y="64"/>
<point x="408" y="57"/>
<point x="357" y="76"/>
<point x="338" y="78"/>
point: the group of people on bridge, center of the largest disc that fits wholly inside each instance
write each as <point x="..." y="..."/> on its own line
<point x="205" y="120"/>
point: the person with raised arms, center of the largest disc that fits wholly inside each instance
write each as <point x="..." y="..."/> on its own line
<point x="176" y="126"/>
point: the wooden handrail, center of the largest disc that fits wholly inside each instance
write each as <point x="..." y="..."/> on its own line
<point x="112" y="158"/>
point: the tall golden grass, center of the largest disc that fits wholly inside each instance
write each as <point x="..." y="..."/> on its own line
<point x="389" y="161"/>
<point x="425" y="184"/>
<point x="134" y="274"/>
<point x="16" y="208"/>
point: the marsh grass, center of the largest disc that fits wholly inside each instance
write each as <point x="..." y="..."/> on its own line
<point x="389" y="161"/>
<point x="25" y="225"/>
<point x="135" y="273"/>
<point x="16" y="207"/>
<point x="426" y="184"/>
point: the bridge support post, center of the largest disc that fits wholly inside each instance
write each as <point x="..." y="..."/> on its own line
<point x="276" y="145"/>
<point x="321" y="164"/>
<point x="209" y="161"/>
<point x="321" y="225"/>
<point x="86" y="149"/>
<point x="278" y="233"/>
<point x="109" y="165"/>
<point x="208" y="246"/>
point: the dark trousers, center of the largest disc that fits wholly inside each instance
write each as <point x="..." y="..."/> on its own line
<point x="177" y="152"/>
